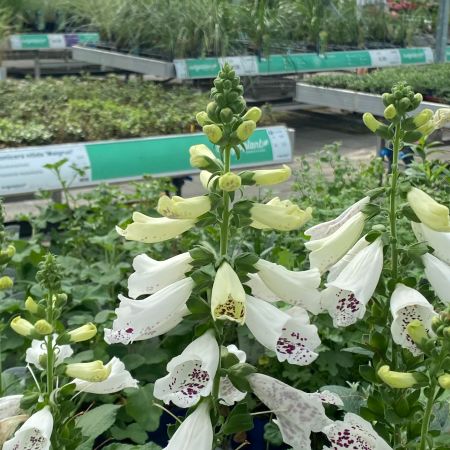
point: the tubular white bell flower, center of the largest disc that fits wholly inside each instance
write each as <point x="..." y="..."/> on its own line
<point x="439" y="240"/>
<point x="183" y="208"/>
<point x="191" y="374"/>
<point x="150" y="275"/>
<point x="155" y="315"/>
<point x="118" y="379"/>
<point x="354" y="432"/>
<point x="288" y="334"/>
<point x="34" y="434"/>
<point x="154" y="229"/>
<point x="228" y="295"/>
<point x="38" y="350"/>
<point x="326" y="228"/>
<point x="407" y="305"/>
<point x="207" y="179"/>
<point x="347" y="295"/>
<point x="10" y="406"/>
<point x="438" y="274"/>
<point x="298" y="413"/>
<point x="295" y="288"/>
<point x="195" y="433"/>
<point x="228" y="394"/>
<point x="269" y="177"/>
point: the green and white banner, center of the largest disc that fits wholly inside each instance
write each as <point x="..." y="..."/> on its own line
<point x="22" y="169"/>
<point x="51" y="41"/>
<point x="304" y="62"/>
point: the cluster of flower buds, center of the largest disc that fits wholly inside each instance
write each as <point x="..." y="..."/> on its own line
<point x="441" y="325"/>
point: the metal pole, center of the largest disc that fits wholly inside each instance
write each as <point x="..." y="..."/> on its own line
<point x="442" y="31"/>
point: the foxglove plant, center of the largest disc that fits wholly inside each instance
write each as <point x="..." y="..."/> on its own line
<point x="219" y="287"/>
<point x="49" y="410"/>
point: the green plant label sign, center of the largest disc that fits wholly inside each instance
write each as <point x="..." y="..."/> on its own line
<point x="22" y="170"/>
<point x="51" y="41"/>
<point x="448" y="53"/>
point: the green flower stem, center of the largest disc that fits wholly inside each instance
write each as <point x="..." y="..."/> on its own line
<point x="49" y="345"/>
<point x="226" y="205"/>
<point x="427" y="417"/>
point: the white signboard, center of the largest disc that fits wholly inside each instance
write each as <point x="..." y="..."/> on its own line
<point x="386" y="57"/>
<point x="243" y="65"/>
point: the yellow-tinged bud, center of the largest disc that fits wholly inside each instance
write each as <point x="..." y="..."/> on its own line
<point x="370" y="122"/>
<point x="202" y="118"/>
<point x="43" y="327"/>
<point x="83" y="333"/>
<point x="427" y="128"/>
<point x="213" y="133"/>
<point x="390" y="112"/>
<point x="93" y="371"/>
<point x="270" y="177"/>
<point x="253" y="113"/>
<point x="423" y="117"/>
<point x="183" y="208"/>
<point x="417" y="331"/>
<point x="444" y="381"/>
<point x="429" y="211"/>
<point x="22" y="326"/>
<point x="229" y="182"/>
<point x="396" y="380"/>
<point x="31" y="305"/>
<point x="6" y="283"/>
<point x="10" y="251"/>
<point x="245" y="129"/>
<point x="200" y="155"/>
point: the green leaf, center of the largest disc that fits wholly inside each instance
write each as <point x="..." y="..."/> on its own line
<point x="239" y="420"/>
<point x="97" y="420"/>
<point x="238" y="376"/>
<point x="352" y="399"/>
<point x="149" y="446"/>
<point x="140" y="407"/>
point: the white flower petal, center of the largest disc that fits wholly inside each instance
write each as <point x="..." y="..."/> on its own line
<point x="143" y="319"/>
<point x="195" y="433"/>
<point x="39" y="349"/>
<point x="328" y="250"/>
<point x="438" y="274"/>
<point x="10" y="406"/>
<point x="191" y="374"/>
<point x="327" y="228"/>
<point x="260" y="290"/>
<point x="328" y="397"/>
<point x="347" y="296"/>
<point x="228" y="394"/>
<point x="150" y="275"/>
<point x="298" y="413"/>
<point x="118" y="379"/>
<point x="292" y="338"/>
<point x="354" y="433"/>
<point x="407" y="304"/>
<point x="439" y="240"/>
<point x="296" y="288"/>
<point x="34" y="434"/>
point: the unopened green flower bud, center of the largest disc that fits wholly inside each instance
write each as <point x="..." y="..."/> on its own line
<point x="93" y="371"/>
<point x="387" y="98"/>
<point x="417" y="331"/>
<point x="370" y="122"/>
<point x="43" y="327"/>
<point x="31" y="305"/>
<point x="10" y="251"/>
<point x="43" y="359"/>
<point x="390" y="112"/>
<point x="245" y="129"/>
<point x="404" y="104"/>
<point x="253" y="113"/>
<point x="83" y="333"/>
<point x="213" y="133"/>
<point x="418" y="98"/>
<point x="226" y="115"/>
<point x="202" y="118"/>
<point x="444" y="381"/>
<point x="396" y="380"/>
<point x="446" y="332"/>
<point x="211" y="110"/>
<point x="229" y="182"/>
<point x="22" y="326"/>
<point x="6" y="283"/>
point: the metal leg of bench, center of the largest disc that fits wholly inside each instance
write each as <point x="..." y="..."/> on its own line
<point x="37" y="68"/>
<point x="381" y="143"/>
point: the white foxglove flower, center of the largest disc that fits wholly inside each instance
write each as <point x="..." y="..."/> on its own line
<point x="228" y="394"/>
<point x="9" y="425"/>
<point x="407" y="305"/>
<point x="195" y="433"/>
<point x="438" y="274"/>
<point x="34" y="434"/>
<point x="207" y="179"/>
<point x="150" y="275"/>
<point x="295" y="288"/>
<point x="10" y="406"/>
<point x="183" y="208"/>
<point x="38" y="351"/>
<point x="354" y="432"/>
<point x="228" y="295"/>
<point x="439" y="240"/>
<point x="260" y="289"/>
<point x="118" y="379"/>
<point x="347" y="295"/>
<point x="328" y="250"/>
<point x="298" y="413"/>
<point x="290" y="336"/>
<point x="326" y="228"/>
<point x="191" y="374"/>
<point x="138" y="320"/>
<point x="441" y="117"/>
<point x="154" y="229"/>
